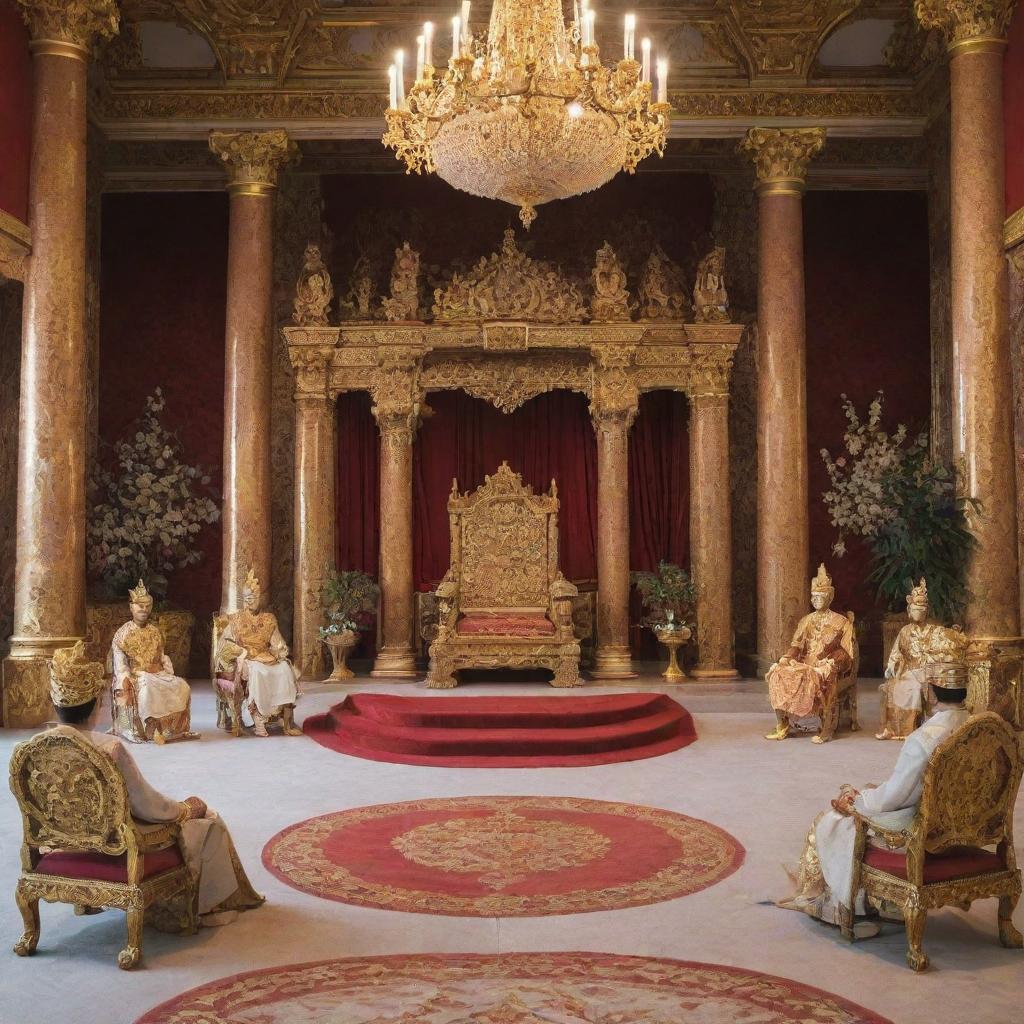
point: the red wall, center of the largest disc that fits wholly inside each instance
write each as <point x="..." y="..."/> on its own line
<point x="866" y="259"/>
<point x="1013" y="100"/>
<point x="162" y="296"/>
<point x="15" y="111"/>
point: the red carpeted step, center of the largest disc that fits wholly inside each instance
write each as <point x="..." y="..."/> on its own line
<point x="504" y="731"/>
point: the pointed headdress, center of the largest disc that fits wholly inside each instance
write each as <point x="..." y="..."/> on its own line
<point x="918" y="596"/>
<point x="139" y="594"/>
<point x="252" y="583"/>
<point x="73" y="681"/>
<point x="822" y="583"/>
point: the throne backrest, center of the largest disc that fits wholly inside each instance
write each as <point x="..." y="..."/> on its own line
<point x="970" y="786"/>
<point x="504" y="544"/>
<point x="71" y="795"/>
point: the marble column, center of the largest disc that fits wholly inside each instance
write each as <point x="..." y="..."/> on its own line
<point x="314" y="523"/>
<point x="396" y="657"/>
<point x="711" y="535"/>
<point x="49" y="586"/>
<point x="780" y="158"/>
<point x="982" y="375"/>
<point x="254" y="160"/>
<point x="612" y="658"/>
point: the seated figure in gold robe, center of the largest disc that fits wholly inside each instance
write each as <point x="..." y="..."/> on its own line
<point x="921" y="651"/>
<point x="252" y="647"/>
<point x="821" y="650"/>
<point x="151" y="702"/>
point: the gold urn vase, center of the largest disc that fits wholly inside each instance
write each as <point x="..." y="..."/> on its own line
<point x="341" y="645"/>
<point x="673" y="635"/>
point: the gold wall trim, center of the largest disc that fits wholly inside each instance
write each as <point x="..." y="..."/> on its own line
<point x="1013" y="229"/>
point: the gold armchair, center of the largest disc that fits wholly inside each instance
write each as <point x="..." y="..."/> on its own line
<point x="229" y="689"/>
<point x="970" y="786"/>
<point x="841" y="701"/>
<point x="503" y="602"/>
<point x="82" y="846"/>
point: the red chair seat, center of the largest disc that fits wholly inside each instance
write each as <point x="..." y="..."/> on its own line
<point x="956" y="862"/>
<point x="102" y="867"/>
<point x="534" y="624"/>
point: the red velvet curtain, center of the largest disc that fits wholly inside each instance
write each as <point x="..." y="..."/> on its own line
<point x="550" y="437"/>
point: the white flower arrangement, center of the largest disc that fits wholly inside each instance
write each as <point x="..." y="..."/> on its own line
<point x="859" y="500"/>
<point x="146" y="514"/>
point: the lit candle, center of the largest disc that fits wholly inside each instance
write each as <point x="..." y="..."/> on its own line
<point x="590" y="27"/>
<point x="428" y="43"/>
<point x="663" y="81"/>
<point x="400" y="76"/>
<point x="576" y="15"/>
<point x="645" y="55"/>
<point x="465" y="23"/>
<point x="419" y="58"/>
<point x="393" y="87"/>
<point x="628" y="45"/>
<point x="456" y="37"/>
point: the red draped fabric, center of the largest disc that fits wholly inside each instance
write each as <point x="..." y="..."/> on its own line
<point x="550" y="437"/>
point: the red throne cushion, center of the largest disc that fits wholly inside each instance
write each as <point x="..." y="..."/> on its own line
<point x="104" y="868"/>
<point x="529" y="624"/>
<point x="956" y="862"/>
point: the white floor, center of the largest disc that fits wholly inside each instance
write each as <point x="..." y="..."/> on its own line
<point x="765" y="794"/>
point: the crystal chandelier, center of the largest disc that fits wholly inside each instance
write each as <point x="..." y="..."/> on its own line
<point x="527" y="113"/>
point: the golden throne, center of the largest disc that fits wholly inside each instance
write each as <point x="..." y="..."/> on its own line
<point x="944" y="854"/>
<point x="82" y="846"/>
<point x="503" y="603"/>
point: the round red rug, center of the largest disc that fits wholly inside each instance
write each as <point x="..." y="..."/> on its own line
<point x="516" y="856"/>
<point x="516" y="988"/>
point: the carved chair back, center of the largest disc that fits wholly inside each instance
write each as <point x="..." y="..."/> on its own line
<point x="504" y="544"/>
<point x="71" y="795"/>
<point x="970" y="786"/>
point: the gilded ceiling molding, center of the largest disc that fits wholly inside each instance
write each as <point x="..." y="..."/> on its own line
<point x="967" y="24"/>
<point x="69" y="28"/>
<point x="254" y="158"/>
<point x="1013" y="229"/>
<point x="15" y="244"/>
<point x="781" y="156"/>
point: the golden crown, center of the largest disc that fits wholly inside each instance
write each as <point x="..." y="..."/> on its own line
<point x="252" y="583"/>
<point x="139" y="594"/>
<point x="822" y="583"/>
<point x="918" y="595"/>
<point x="73" y="681"/>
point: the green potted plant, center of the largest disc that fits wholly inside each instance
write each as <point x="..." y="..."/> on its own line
<point x="668" y="596"/>
<point x="349" y="598"/>
<point x="888" y="490"/>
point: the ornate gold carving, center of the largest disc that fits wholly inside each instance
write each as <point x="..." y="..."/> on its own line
<point x="313" y="291"/>
<point x="74" y="681"/>
<point x="710" y="367"/>
<point x="254" y="158"/>
<point x="966" y="21"/>
<point x="15" y="243"/>
<point x="404" y="301"/>
<point x="509" y="285"/>
<point x="611" y="299"/>
<point x="781" y="155"/>
<point x="615" y="393"/>
<point x="358" y="301"/>
<point x="1013" y="229"/>
<point x="662" y="288"/>
<point x="504" y="562"/>
<point x="79" y="23"/>
<point x="710" y="299"/>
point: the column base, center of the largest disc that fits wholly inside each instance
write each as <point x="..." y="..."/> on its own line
<point x="613" y="663"/>
<point x="26" y="680"/>
<point x="714" y="673"/>
<point x="395" y="663"/>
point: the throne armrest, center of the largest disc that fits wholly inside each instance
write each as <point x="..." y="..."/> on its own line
<point x="447" y="595"/>
<point x="562" y="593"/>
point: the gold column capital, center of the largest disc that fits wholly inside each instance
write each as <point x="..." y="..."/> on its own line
<point x="254" y="159"/>
<point x="781" y="156"/>
<point x="69" y="28"/>
<point x="968" y="25"/>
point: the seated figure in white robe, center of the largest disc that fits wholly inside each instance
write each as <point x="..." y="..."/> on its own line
<point x="223" y="887"/>
<point x="143" y="678"/>
<point x="826" y="870"/>
<point x="252" y="647"/>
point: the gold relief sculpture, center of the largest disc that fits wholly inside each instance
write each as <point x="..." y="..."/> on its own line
<point x="509" y="285"/>
<point x="358" y="303"/>
<point x="710" y="299"/>
<point x="404" y="301"/>
<point x="72" y="798"/>
<point x="963" y="21"/>
<point x="503" y="602"/>
<point x="74" y="681"/>
<point x="967" y="800"/>
<point x="313" y="291"/>
<point x="781" y="155"/>
<point x="611" y="299"/>
<point x="254" y="159"/>
<point x="79" y="23"/>
<point x="662" y="288"/>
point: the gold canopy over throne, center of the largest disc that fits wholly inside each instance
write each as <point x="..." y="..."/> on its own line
<point x="503" y="603"/>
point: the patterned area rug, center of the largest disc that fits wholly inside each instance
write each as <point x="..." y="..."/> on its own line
<point x="502" y="856"/>
<point x="517" y="988"/>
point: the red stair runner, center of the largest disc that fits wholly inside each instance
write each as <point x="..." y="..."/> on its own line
<point x="504" y="732"/>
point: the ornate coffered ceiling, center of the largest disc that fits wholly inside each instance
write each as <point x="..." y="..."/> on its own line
<point x="182" y="67"/>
